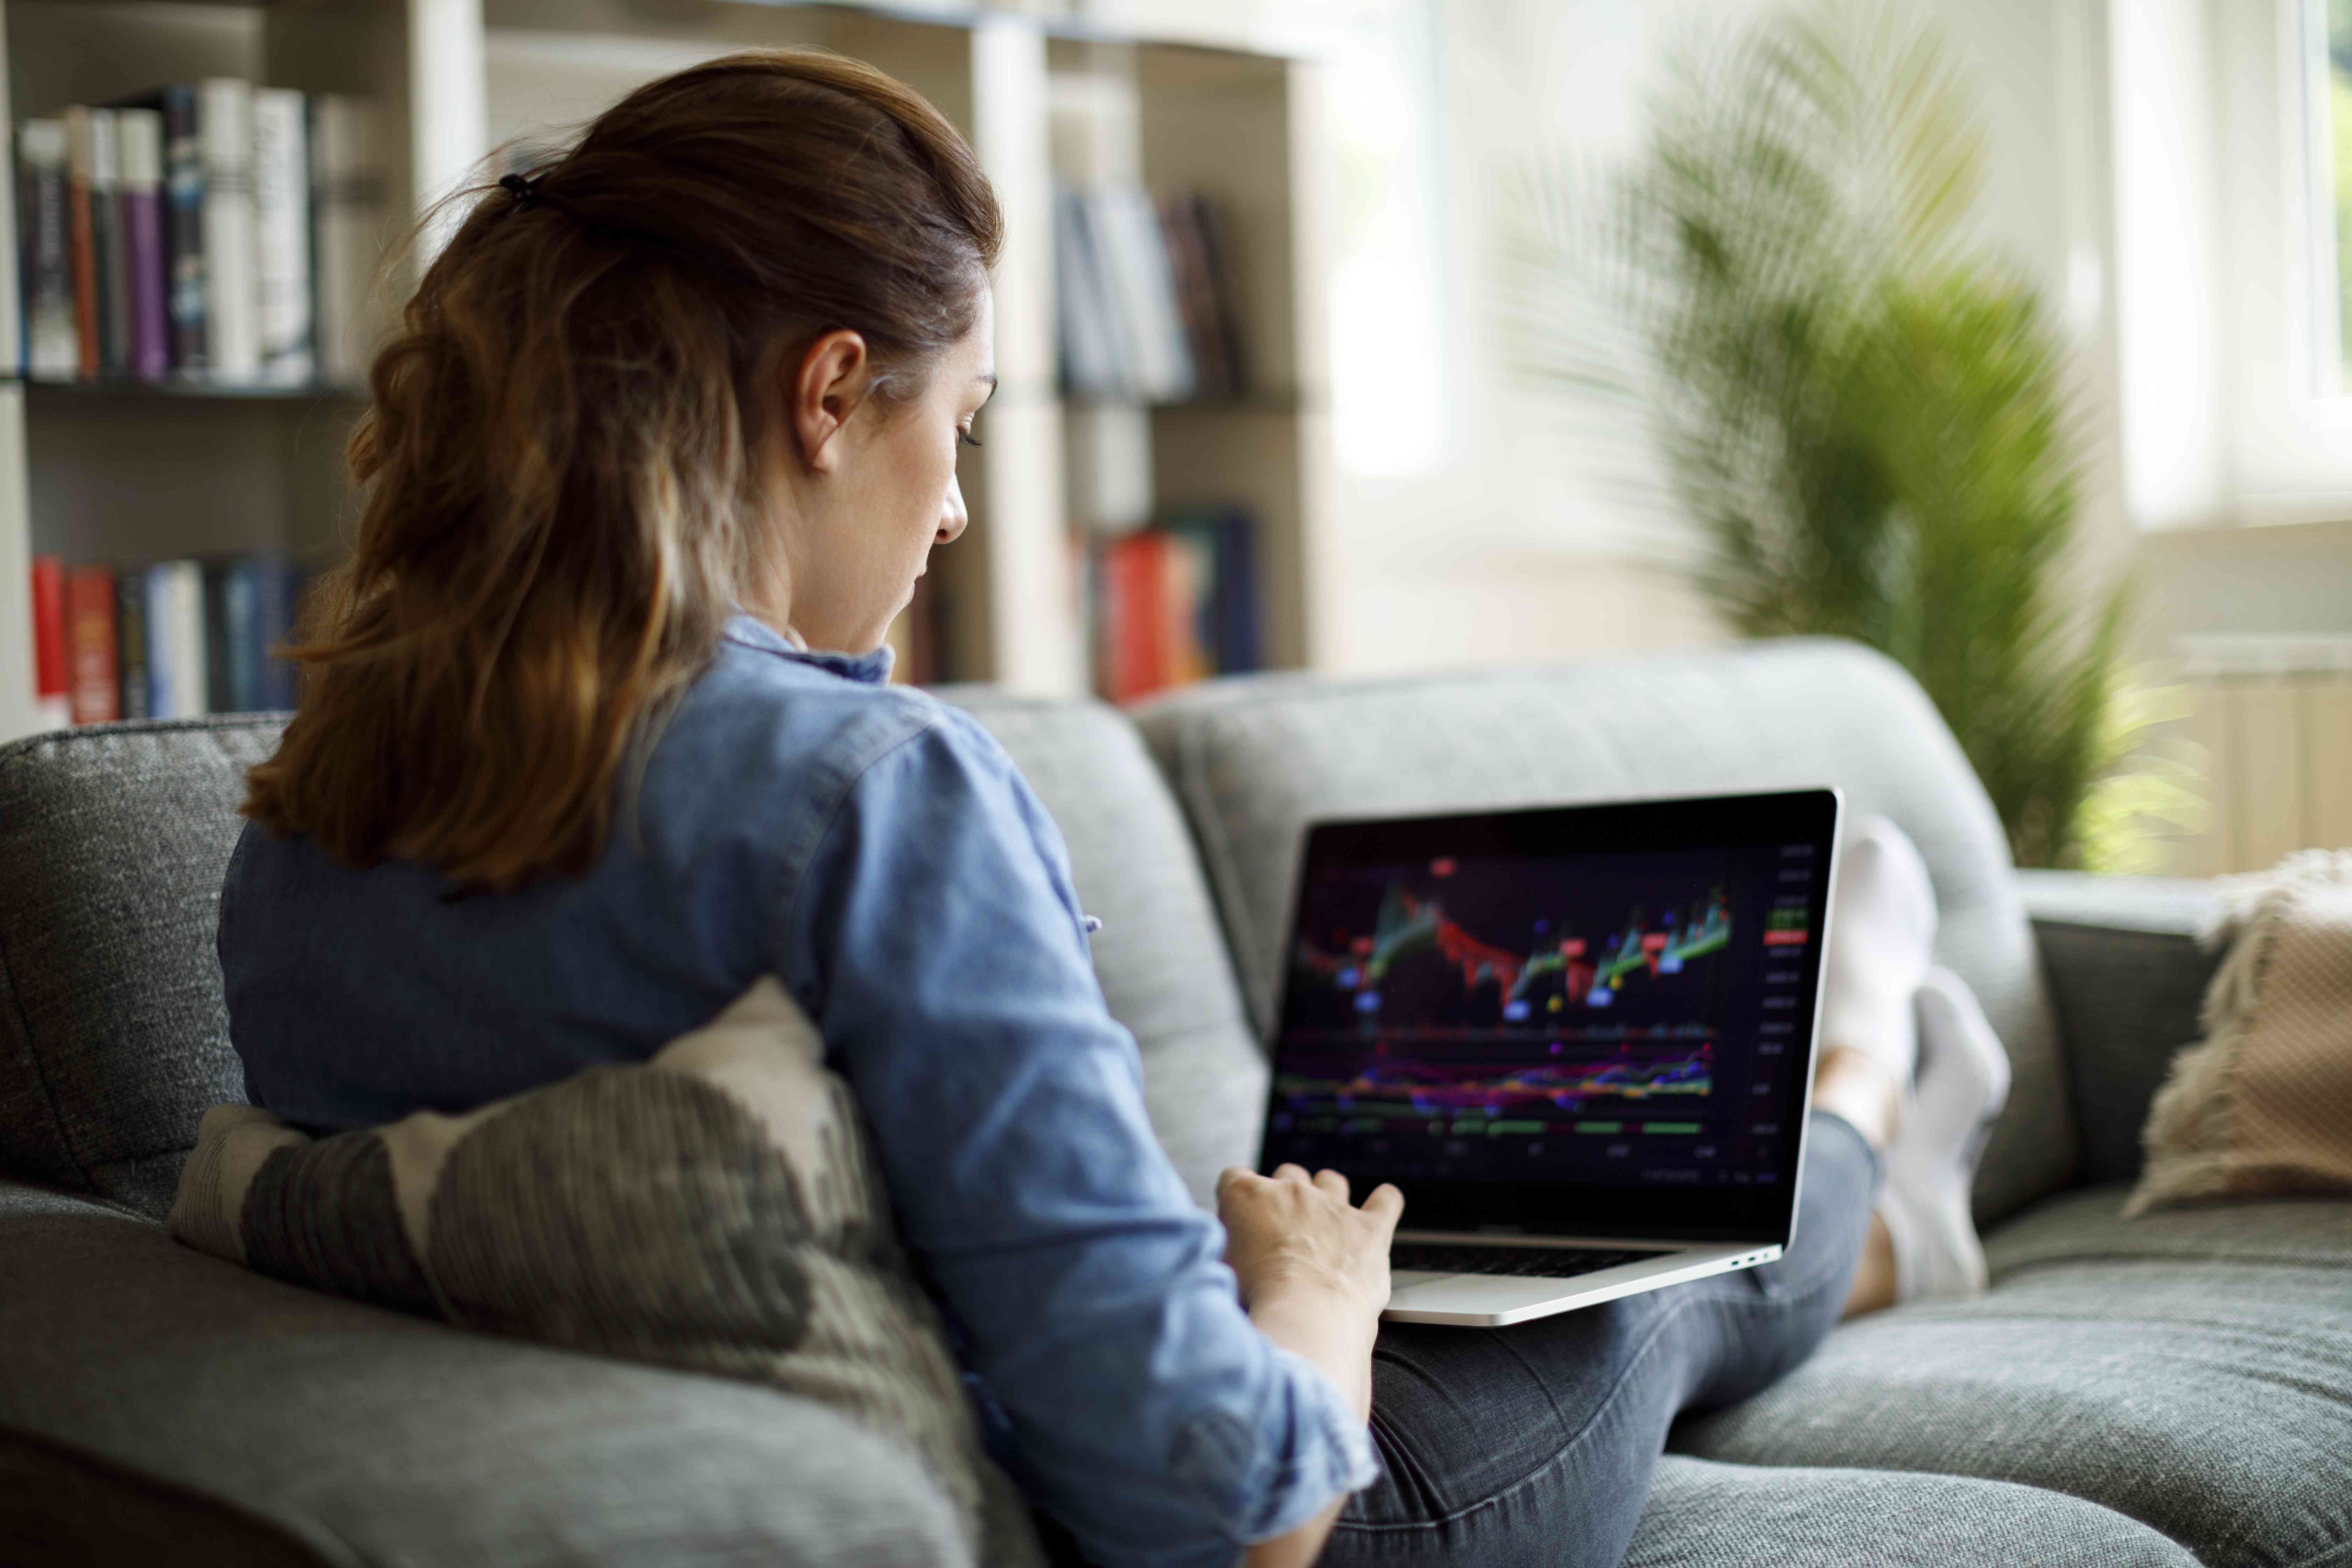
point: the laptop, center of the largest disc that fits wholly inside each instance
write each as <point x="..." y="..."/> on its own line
<point x="1580" y="1040"/>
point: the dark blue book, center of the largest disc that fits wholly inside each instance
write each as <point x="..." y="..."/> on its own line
<point x="233" y="645"/>
<point x="276" y="593"/>
<point x="1230" y="625"/>
<point x="131" y="641"/>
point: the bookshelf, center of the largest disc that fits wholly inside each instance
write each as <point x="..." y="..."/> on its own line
<point x="108" y="470"/>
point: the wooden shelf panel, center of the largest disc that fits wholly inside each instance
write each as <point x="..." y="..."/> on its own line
<point x="133" y="388"/>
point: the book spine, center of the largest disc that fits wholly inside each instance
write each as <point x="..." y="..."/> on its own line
<point x="242" y="611"/>
<point x="219" y="668"/>
<point x="281" y="216"/>
<point x="1240" y="631"/>
<point x="273" y="612"/>
<point x="190" y="671"/>
<point x="140" y="132"/>
<point x="233" y="339"/>
<point x="1194" y="297"/>
<point x="81" y="239"/>
<point x="1135" y="615"/>
<point x="52" y="703"/>
<point x="114" y="263"/>
<point x="1215" y="241"/>
<point x="1161" y="364"/>
<point x="1091" y="359"/>
<point x="52" y="338"/>
<point x="162" y="686"/>
<point x="184" y="229"/>
<point x="90" y="637"/>
<point x="130" y="643"/>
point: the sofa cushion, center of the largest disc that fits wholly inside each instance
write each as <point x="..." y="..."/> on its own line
<point x="1256" y="759"/>
<point x="1160" y="955"/>
<point x="373" y="1437"/>
<point x="113" y="1038"/>
<point x="2191" y="1369"/>
<point x="1706" y="1515"/>
<point x="2128" y="975"/>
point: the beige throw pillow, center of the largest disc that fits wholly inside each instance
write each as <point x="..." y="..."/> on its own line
<point x="716" y="1208"/>
<point x="2263" y="1106"/>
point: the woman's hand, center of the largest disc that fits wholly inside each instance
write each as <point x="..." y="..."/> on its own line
<point x="1293" y="1234"/>
<point x="1313" y="1272"/>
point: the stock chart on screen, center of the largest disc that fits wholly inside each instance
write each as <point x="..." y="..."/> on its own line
<point x="1627" y="1017"/>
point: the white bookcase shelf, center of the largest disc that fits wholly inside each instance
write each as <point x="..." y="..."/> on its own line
<point x="116" y="470"/>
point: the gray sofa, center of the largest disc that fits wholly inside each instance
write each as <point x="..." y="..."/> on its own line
<point x="2174" y="1389"/>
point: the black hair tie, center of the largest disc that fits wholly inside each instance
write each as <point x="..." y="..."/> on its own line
<point x="526" y="192"/>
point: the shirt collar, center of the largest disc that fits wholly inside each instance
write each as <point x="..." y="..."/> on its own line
<point x="872" y="668"/>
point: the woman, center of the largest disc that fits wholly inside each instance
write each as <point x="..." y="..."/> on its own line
<point x="594" y="734"/>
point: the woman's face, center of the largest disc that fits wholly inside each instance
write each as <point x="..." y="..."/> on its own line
<point x="876" y="488"/>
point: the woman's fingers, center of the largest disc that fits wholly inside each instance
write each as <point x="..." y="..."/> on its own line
<point x="1333" y="1182"/>
<point x="1289" y="1172"/>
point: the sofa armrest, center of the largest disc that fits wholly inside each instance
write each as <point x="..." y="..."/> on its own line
<point x="148" y="1390"/>
<point x="2128" y="975"/>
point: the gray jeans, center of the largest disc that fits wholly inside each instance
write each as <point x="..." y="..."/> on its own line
<point x="1535" y="1444"/>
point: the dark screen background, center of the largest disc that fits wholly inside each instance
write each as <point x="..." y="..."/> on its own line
<point x="1620" y="1018"/>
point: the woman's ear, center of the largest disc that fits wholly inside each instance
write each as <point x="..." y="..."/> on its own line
<point x="825" y="389"/>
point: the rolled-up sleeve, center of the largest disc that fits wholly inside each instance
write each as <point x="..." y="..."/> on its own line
<point x="936" y="937"/>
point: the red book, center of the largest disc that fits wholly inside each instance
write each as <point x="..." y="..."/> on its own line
<point x="1135" y="572"/>
<point x="49" y="640"/>
<point x="90" y="645"/>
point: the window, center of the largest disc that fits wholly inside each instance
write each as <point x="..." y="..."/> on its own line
<point x="2327" y="77"/>
<point x="2232" y="181"/>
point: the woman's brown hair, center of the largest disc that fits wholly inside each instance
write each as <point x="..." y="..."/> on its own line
<point x="561" y="460"/>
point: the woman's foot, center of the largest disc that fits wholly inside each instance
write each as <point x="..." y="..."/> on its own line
<point x="1963" y="1084"/>
<point x="1883" y="919"/>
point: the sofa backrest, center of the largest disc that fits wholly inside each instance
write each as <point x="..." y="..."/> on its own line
<point x="113" y="841"/>
<point x="112" y="1036"/>
<point x="1159" y="954"/>
<point x="1255" y="760"/>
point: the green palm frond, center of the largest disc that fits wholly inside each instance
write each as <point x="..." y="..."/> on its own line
<point x="1861" y="407"/>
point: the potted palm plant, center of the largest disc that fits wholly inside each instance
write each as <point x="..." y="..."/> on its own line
<point x="1863" y="409"/>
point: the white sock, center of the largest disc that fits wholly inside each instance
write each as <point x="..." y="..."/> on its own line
<point x="1963" y="1082"/>
<point x="1883" y="927"/>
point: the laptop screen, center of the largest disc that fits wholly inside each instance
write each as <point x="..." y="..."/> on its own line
<point x="1592" y="1020"/>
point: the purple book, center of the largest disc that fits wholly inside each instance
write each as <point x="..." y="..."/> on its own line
<point x="140" y="189"/>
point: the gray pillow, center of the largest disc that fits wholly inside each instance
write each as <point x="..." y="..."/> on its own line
<point x="716" y="1209"/>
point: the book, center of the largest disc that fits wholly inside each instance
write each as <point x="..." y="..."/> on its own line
<point x="113" y="261"/>
<point x="81" y="157"/>
<point x="347" y="225"/>
<point x="224" y="136"/>
<point x="52" y="346"/>
<point x="1134" y="639"/>
<point x="281" y="223"/>
<point x="1176" y="601"/>
<point x="90" y="645"/>
<point x="1126" y="227"/>
<point x="1204" y="293"/>
<point x="1187" y="620"/>
<point x="135" y="700"/>
<point x="52" y="704"/>
<point x="1092" y="365"/>
<point x="178" y="677"/>
<point x="183" y="227"/>
<point x="228" y="620"/>
<point x="1230" y="615"/>
<point x="276" y="596"/>
<point x="140" y="193"/>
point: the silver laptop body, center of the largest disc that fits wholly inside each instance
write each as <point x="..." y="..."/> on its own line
<point x="1581" y="1039"/>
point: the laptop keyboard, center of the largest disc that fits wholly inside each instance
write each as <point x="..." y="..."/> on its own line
<point x="1536" y="1262"/>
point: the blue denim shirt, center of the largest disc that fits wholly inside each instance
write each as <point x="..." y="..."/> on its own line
<point x="876" y="850"/>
